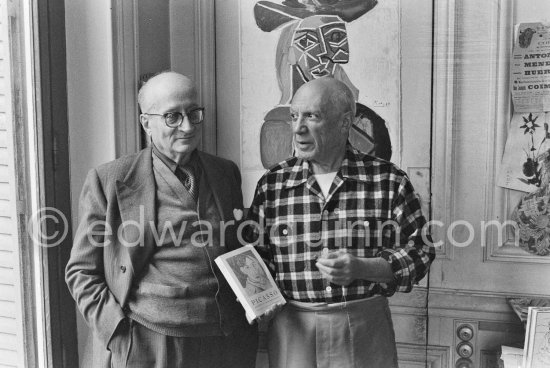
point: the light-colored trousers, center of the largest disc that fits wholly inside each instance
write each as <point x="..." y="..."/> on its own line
<point x="356" y="334"/>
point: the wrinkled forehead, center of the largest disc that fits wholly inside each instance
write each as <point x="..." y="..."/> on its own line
<point x="321" y="21"/>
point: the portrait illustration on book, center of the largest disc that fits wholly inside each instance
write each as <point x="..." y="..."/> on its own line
<point x="250" y="273"/>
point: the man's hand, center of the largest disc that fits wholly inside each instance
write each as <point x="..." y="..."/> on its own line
<point x="269" y="314"/>
<point x="339" y="268"/>
<point x="342" y="268"/>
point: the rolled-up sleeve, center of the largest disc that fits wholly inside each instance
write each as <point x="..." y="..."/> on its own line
<point x="415" y="251"/>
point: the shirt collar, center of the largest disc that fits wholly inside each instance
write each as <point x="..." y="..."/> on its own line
<point x="353" y="168"/>
<point x="299" y="173"/>
<point x="172" y="165"/>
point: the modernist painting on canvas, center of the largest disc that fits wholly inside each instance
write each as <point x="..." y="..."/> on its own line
<point x="284" y="44"/>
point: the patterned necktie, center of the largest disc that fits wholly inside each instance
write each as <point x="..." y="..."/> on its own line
<point x="187" y="176"/>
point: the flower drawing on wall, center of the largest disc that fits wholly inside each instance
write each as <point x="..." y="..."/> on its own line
<point x="531" y="169"/>
<point x="528" y="139"/>
<point x="314" y="43"/>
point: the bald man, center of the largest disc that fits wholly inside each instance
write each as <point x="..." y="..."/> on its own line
<point x="141" y="270"/>
<point x="341" y="231"/>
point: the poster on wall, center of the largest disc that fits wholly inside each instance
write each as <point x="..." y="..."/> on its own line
<point x="286" y="43"/>
<point x="530" y="69"/>
<point x="528" y="139"/>
<point x="536" y="350"/>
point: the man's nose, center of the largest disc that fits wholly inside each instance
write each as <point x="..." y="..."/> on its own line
<point x="298" y="125"/>
<point x="186" y="124"/>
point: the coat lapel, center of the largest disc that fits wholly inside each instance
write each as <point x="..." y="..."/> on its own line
<point x="136" y="202"/>
<point x="220" y="190"/>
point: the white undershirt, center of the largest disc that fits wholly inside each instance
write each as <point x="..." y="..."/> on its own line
<point x="325" y="181"/>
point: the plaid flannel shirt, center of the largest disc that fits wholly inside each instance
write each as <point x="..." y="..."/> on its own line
<point x="371" y="211"/>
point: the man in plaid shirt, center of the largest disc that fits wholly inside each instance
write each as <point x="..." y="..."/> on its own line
<point x="341" y="231"/>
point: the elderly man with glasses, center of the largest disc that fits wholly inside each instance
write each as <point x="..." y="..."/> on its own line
<point x="151" y="224"/>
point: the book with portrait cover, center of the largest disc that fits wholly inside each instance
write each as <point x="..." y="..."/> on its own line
<point x="536" y="351"/>
<point x="249" y="277"/>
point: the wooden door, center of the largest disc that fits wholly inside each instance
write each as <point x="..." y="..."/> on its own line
<point x="478" y="267"/>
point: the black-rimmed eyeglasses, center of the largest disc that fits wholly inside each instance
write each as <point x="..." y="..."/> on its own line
<point x="175" y="119"/>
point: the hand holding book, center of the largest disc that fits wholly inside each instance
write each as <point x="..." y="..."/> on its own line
<point x="269" y="314"/>
<point x="251" y="282"/>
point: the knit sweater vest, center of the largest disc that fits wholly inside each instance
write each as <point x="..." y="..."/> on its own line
<point x="176" y="293"/>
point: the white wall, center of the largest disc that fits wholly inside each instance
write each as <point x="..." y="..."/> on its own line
<point x="90" y="97"/>
<point x="531" y="11"/>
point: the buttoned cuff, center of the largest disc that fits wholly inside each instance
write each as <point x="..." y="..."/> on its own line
<point x="400" y="268"/>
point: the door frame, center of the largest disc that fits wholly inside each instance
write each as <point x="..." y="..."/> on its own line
<point x="126" y="69"/>
<point x="61" y="350"/>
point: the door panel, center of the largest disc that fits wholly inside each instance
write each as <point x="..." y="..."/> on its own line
<point x="477" y="270"/>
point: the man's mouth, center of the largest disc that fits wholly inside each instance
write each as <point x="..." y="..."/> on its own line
<point x="299" y="143"/>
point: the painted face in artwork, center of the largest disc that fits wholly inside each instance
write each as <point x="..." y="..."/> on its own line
<point x="319" y="43"/>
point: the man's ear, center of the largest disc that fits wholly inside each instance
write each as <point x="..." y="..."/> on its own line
<point x="347" y="121"/>
<point x="144" y="120"/>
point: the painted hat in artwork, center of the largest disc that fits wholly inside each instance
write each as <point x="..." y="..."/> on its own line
<point x="270" y="15"/>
